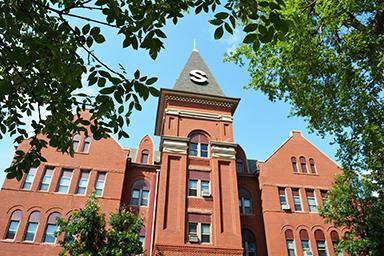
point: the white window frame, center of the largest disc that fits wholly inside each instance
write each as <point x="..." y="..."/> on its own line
<point x="199" y="187"/>
<point x="300" y="199"/>
<point x="61" y="176"/>
<point x="199" y="150"/>
<point x="105" y="181"/>
<point x="246" y="247"/>
<point x="199" y="231"/>
<point x="315" y="200"/>
<point x="78" y="183"/>
<point x="33" y="179"/>
<point x="140" y="197"/>
<point x="50" y="181"/>
<point x="325" y="246"/>
<point x="293" y="246"/>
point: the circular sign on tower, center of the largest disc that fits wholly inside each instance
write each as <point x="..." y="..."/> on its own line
<point x="198" y="76"/>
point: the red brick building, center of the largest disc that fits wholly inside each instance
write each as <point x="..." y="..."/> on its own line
<point x="199" y="194"/>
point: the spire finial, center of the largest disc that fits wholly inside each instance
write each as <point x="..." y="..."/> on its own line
<point x="194" y="46"/>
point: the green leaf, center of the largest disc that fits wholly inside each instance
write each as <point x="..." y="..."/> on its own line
<point x="219" y="32"/>
<point x="154" y="91"/>
<point x="250" y="27"/>
<point x="151" y="81"/>
<point x="228" y="28"/>
<point x="221" y="15"/>
<point x="95" y="31"/>
<point x="86" y="29"/>
<point x="250" y="38"/>
<point x="107" y="90"/>
<point x="216" y="22"/>
<point x="99" y="38"/>
<point x="137" y="74"/>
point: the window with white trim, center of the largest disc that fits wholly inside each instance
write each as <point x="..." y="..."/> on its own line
<point x="100" y="183"/>
<point x="297" y="199"/>
<point x="76" y="142"/>
<point x="282" y="197"/>
<point x="64" y="181"/>
<point x="51" y="228"/>
<point x="320" y="243"/>
<point x="304" y="239"/>
<point x="199" y="184"/>
<point x="46" y="179"/>
<point x="311" y="200"/>
<point x="32" y="225"/>
<point x="13" y="225"/>
<point x="83" y="182"/>
<point x="86" y="144"/>
<point x="29" y="179"/>
<point x="199" y="228"/>
<point x="140" y="193"/>
<point x="198" y="145"/>
<point x="290" y="241"/>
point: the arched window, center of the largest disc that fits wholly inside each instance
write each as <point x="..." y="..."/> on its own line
<point x="198" y="145"/>
<point x="33" y="222"/>
<point x="303" y="164"/>
<point x="245" y="203"/>
<point x="335" y="241"/>
<point x="294" y="164"/>
<point x="320" y="243"/>
<point x="312" y="165"/>
<point x="140" y="193"/>
<point x="290" y="241"/>
<point x="86" y="143"/>
<point x="13" y="225"/>
<point x="249" y="245"/>
<point x="144" y="156"/>
<point x="76" y="142"/>
<point x="49" y="234"/>
<point x="304" y="238"/>
<point x="239" y="165"/>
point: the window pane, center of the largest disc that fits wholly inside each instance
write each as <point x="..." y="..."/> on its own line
<point x="142" y="240"/>
<point x="205" y="186"/>
<point x="31" y="230"/>
<point x="193" y="149"/>
<point x="283" y="200"/>
<point x="205" y="233"/>
<point x="12" y="229"/>
<point x="144" y="199"/>
<point x="192" y="228"/>
<point x="305" y="245"/>
<point x="192" y="184"/>
<point x="49" y="236"/>
<point x="297" y="203"/>
<point x="135" y="197"/>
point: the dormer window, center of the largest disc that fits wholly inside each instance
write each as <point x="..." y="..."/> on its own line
<point x="76" y="142"/>
<point x="87" y="142"/>
<point x="198" y="145"/>
<point x="144" y="156"/>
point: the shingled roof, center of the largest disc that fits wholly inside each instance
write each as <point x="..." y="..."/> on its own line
<point x="184" y="82"/>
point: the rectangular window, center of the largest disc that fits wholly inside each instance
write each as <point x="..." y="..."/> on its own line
<point x="64" y="181"/>
<point x="49" y="236"/>
<point x="311" y="200"/>
<point x="296" y="199"/>
<point x="30" y="232"/>
<point x="83" y="183"/>
<point x="321" y="248"/>
<point x="142" y="240"/>
<point x="199" y="232"/>
<point x="46" y="179"/>
<point x="323" y="194"/>
<point x="291" y="248"/>
<point x="198" y="188"/>
<point x="29" y="179"/>
<point x="135" y="197"/>
<point x="205" y="233"/>
<point x="12" y="229"/>
<point x="99" y="185"/>
<point x="282" y="197"/>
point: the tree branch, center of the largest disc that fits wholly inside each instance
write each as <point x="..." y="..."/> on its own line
<point x="354" y="22"/>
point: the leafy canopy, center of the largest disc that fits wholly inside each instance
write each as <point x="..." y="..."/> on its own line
<point x="86" y="233"/>
<point x="44" y="56"/>
<point x="329" y="67"/>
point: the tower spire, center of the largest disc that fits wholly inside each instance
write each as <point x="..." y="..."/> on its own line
<point x="194" y="46"/>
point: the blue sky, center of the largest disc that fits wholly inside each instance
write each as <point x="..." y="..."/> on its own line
<point x="260" y="126"/>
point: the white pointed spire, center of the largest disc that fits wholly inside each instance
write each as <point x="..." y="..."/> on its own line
<point x="194" y="46"/>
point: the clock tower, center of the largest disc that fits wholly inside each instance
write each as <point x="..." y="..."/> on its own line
<point x="197" y="202"/>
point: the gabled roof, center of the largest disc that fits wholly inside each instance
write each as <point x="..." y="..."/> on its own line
<point x="184" y="82"/>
